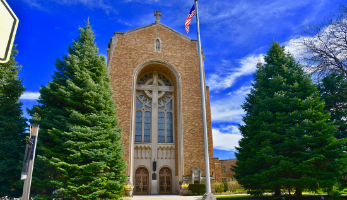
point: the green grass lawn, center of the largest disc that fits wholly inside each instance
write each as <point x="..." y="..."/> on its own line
<point x="249" y="197"/>
<point x="236" y="197"/>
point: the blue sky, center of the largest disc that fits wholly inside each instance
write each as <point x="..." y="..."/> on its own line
<point x="235" y="34"/>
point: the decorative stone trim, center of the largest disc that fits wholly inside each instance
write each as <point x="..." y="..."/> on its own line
<point x="110" y="50"/>
<point x="142" y="151"/>
<point x="166" y="152"/>
<point x="178" y="110"/>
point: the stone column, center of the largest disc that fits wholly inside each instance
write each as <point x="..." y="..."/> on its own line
<point x="154" y="129"/>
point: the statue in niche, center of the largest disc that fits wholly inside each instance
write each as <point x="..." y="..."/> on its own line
<point x="157" y="45"/>
<point x="196" y="174"/>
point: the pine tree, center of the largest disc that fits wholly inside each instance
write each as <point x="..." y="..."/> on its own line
<point x="333" y="90"/>
<point x="80" y="154"/>
<point x="12" y="128"/>
<point x="287" y="142"/>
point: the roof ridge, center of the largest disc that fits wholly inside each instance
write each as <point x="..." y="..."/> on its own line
<point x="153" y="24"/>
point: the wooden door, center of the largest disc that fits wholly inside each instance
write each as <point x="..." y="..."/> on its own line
<point x="165" y="180"/>
<point x="141" y="181"/>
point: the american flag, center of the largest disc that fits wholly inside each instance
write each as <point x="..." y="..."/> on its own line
<point x="189" y="18"/>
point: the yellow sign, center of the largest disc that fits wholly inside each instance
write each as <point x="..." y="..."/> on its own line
<point x="8" y="29"/>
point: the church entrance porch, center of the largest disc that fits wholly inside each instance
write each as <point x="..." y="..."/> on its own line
<point x="165" y="177"/>
<point x="141" y="181"/>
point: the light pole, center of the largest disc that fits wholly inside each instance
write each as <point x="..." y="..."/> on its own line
<point x="28" y="164"/>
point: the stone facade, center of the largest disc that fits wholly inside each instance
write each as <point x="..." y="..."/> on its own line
<point x="157" y="49"/>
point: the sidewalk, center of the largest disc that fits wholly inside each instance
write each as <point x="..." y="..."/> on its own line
<point x="162" y="197"/>
<point x="168" y="197"/>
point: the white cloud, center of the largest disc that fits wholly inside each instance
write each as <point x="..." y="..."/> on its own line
<point x="33" y="3"/>
<point x="143" y="1"/>
<point x="225" y="141"/>
<point x="298" y="51"/>
<point x="227" y="77"/>
<point x="107" y="7"/>
<point x="294" y="48"/>
<point x="230" y="128"/>
<point x="243" y="90"/>
<point x="325" y="36"/>
<point x="30" y="95"/>
<point x="228" y="109"/>
<point x="239" y="19"/>
<point x="227" y="113"/>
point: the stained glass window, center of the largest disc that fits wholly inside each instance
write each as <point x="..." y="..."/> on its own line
<point x="161" y="127"/>
<point x="138" y="103"/>
<point x="169" y="129"/>
<point x="138" y="129"/>
<point x="144" y="108"/>
<point x="147" y="127"/>
<point x="169" y="105"/>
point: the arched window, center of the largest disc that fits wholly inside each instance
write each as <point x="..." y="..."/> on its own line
<point x="143" y="114"/>
<point x="157" y="45"/>
<point x="154" y="93"/>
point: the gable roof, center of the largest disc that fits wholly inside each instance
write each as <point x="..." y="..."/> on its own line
<point x="154" y="24"/>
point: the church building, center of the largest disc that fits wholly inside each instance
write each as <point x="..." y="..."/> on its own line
<point x="154" y="73"/>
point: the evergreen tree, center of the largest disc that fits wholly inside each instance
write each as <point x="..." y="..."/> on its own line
<point x="287" y="142"/>
<point x="12" y="128"/>
<point x="333" y="90"/>
<point x="80" y="154"/>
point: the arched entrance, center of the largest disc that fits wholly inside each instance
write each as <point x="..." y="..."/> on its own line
<point x="141" y="181"/>
<point x="165" y="180"/>
<point x="156" y="123"/>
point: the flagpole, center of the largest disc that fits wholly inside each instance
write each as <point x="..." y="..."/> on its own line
<point x="208" y="194"/>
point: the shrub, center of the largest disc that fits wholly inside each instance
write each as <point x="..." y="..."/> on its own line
<point x="225" y="186"/>
<point x="233" y="185"/>
<point x="197" y="188"/>
<point x="219" y="187"/>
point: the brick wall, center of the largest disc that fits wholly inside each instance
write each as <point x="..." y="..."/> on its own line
<point x="227" y="163"/>
<point x="219" y="173"/>
<point x="209" y="123"/>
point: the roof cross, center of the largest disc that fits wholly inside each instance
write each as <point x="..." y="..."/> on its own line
<point x="158" y="15"/>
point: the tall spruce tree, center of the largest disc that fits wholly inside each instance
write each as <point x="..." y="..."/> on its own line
<point x="80" y="154"/>
<point x="287" y="142"/>
<point x="333" y="90"/>
<point x="12" y="128"/>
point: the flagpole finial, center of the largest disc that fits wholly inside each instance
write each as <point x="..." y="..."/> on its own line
<point x="158" y="15"/>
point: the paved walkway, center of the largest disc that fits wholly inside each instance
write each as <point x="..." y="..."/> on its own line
<point x="162" y="197"/>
